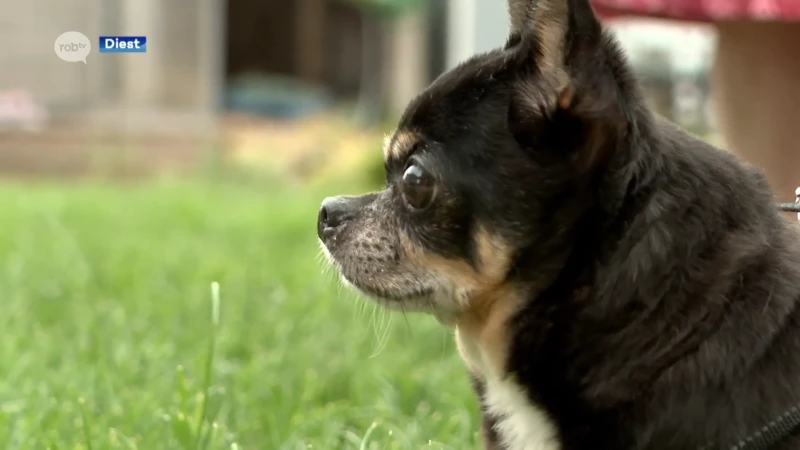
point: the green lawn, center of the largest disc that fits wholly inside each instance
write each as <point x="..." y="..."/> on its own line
<point x="107" y="329"/>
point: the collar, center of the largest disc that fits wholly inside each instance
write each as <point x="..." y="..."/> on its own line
<point x="774" y="432"/>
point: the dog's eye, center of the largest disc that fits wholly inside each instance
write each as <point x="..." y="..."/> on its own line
<point x="418" y="187"/>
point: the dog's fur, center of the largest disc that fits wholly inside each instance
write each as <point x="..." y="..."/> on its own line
<point x="614" y="282"/>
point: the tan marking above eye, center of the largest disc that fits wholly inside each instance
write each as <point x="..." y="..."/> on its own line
<point x="399" y="145"/>
<point x="387" y="142"/>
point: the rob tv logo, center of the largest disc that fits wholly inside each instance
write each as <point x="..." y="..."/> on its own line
<point x="123" y="44"/>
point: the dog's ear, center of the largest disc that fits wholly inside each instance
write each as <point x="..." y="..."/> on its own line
<point x="566" y="76"/>
<point x="553" y="25"/>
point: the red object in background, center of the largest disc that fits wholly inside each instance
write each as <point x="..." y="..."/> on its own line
<point x="701" y="10"/>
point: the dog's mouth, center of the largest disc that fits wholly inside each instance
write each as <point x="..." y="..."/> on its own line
<point x="425" y="300"/>
<point x="384" y="296"/>
<point x="394" y="296"/>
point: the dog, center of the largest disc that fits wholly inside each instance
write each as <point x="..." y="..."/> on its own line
<point x="613" y="281"/>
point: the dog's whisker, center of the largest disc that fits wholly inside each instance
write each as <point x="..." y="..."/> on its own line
<point x="382" y="332"/>
<point x="363" y="305"/>
<point x="405" y="319"/>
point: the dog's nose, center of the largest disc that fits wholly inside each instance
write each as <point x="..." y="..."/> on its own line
<point x="332" y="213"/>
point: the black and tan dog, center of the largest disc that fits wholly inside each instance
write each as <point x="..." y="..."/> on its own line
<point x="614" y="282"/>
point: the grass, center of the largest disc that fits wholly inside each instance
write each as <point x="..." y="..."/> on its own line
<point x="109" y="340"/>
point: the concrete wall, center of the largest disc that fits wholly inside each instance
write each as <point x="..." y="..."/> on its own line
<point x="28" y="30"/>
<point x="181" y="71"/>
<point x="407" y="71"/>
<point x="475" y="26"/>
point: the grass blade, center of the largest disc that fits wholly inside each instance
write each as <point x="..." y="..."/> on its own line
<point x="87" y="435"/>
<point x="200" y="428"/>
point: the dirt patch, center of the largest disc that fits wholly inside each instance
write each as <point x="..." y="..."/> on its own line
<point x="72" y="152"/>
<point x="311" y="148"/>
<point x="316" y="147"/>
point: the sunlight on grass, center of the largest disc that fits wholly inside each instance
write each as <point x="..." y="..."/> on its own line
<point x="110" y="342"/>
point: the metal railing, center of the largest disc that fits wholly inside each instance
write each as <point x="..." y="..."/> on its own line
<point x="792" y="207"/>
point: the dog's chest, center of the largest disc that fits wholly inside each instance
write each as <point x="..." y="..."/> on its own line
<point x="519" y="424"/>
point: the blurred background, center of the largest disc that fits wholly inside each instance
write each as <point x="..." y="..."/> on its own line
<point x="133" y="182"/>
<point x="266" y="82"/>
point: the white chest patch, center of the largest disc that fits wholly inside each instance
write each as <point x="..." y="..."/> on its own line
<point x="519" y="424"/>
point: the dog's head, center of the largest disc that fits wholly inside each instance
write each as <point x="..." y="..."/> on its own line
<point x="489" y="168"/>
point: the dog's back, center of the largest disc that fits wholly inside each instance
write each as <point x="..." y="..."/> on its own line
<point x="717" y="270"/>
